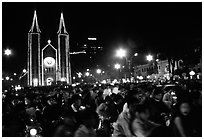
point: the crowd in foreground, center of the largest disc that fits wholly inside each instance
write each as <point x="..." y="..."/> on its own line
<point x="120" y="110"/>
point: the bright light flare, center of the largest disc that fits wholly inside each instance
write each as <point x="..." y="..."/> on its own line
<point x="98" y="71"/>
<point x="7" y="52"/>
<point x="149" y="57"/>
<point x="87" y="73"/>
<point x="24" y="70"/>
<point x="192" y="73"/>
<point x="136" y="54"/>
<point x="7" y="78"/>
<point x="33" y="132"/>
<point x="92" y="39"/>
<point x="117" y="66"/>
<point x="121" y="53"/>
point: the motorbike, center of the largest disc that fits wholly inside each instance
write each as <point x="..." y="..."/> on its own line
<point x="33" y="129"/>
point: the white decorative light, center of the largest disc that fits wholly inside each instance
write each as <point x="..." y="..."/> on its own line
<point x="103" y="82"/>
<point x="24" y="70"/>
<point x="35" y="82"/>
<point x="63" y="79"/>
<point x="92" y="39"/>
<point x="49" y="41"/>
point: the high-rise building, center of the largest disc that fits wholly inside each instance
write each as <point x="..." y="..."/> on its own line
<point x="48" y="64"/>
<point x="92" y="46"/>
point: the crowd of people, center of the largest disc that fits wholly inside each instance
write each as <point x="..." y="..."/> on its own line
<point x="104" y="110"/>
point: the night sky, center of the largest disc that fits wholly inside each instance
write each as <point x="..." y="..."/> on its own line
<point x="139" y="27"/>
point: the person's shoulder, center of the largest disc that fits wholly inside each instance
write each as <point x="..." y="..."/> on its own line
<point x="81" y="131"/>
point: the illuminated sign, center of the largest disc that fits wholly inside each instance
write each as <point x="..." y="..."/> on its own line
<point x="92" y="39"/>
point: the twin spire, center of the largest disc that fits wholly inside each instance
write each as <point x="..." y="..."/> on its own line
<point x="62" y="29"/>
<point x="35" y="27"/>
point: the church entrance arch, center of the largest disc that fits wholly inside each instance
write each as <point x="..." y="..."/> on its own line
<point x="49" y="81"/>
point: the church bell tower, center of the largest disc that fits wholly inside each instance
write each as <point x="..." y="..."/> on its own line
<point x="64" y="67"/>
<point x="34" y="62"/>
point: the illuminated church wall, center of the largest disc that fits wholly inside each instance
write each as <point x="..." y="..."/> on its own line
<point x="49" y="64"/>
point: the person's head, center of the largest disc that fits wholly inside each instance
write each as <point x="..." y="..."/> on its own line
<point x="108" y="100"/>
<point x="131" y="101"/>
<point x="90" y="119"/>
<point x="185" y="108"/>
<point x="76" y="99"/>
<point x="141" y="111"/>
<point x="157" y="94"/>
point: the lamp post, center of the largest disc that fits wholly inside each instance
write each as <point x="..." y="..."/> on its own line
<point x="98" y="71"/>
<point x="150" y="58"/>
<point x="118" y="67"/>
<point x="132" y="65"/>
<point x="122" y="53"/>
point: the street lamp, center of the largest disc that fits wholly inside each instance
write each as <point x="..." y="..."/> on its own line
<point x="149" y="57"/>
<point x="117" y="66"/>
<point x="7" y="78"/>
<point x="87" y="73"/>
<point x="136" y="54"/>
<point x="192" y="73"/>
<point x="121" y="53"/>
<point x="98" y="71"/>
<point x="24" y="70"/>
<point x="7" y="52"/>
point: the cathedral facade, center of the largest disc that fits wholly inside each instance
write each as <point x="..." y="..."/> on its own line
<point x="48" y="64"/>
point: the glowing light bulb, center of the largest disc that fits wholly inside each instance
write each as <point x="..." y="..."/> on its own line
<point x="33" y="132"/>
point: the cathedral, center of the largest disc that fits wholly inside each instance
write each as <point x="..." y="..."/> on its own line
<point x="48" y="64"/>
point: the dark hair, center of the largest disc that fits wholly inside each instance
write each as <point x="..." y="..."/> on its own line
<point x="108" y="98"/>
<point x="131" y="99"/>
<point x="138" y="108"/>
<point x="157" y="91"/>
<point x="87" y="115"/>
<point x="76" y="97"/>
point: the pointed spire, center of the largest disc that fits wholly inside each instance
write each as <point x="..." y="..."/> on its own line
<point x="35" y="26"/>
<point x="62" y="29"/>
